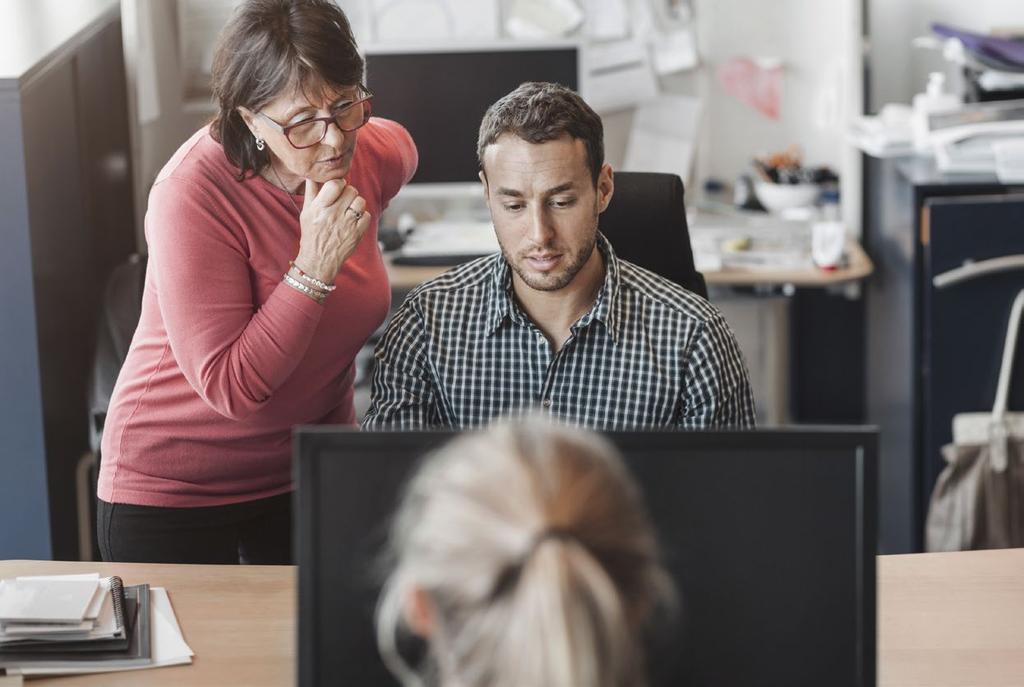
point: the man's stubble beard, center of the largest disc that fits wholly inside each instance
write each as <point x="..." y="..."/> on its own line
<point x="565" y="277"/>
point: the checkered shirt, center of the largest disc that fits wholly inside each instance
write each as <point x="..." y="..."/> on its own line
<point x="460" y="352"/>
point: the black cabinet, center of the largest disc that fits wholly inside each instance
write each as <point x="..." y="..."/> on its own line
<point x="68" y="219"/>
<point x="930" y="353"/>
<point x="964" y="323"/>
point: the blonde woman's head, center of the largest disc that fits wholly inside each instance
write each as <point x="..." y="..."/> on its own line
<point x="524" y="556"/>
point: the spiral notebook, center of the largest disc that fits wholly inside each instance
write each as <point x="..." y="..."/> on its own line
<point x="103" y="618"/>
<point x="133" y="650"/>
<point x="168" y="646"/>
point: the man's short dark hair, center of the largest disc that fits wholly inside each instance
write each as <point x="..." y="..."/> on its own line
<point x="538" y="112"/>
<point x="267" y="47"/>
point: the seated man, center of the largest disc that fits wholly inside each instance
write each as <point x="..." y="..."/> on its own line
<point x="555" y="323"/>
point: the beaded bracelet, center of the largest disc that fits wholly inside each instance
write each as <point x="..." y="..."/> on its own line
<point x="311" y="280"/>
<point x="318" y="296"/>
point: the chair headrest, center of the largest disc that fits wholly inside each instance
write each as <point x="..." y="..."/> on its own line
<point x="646" y="224"/>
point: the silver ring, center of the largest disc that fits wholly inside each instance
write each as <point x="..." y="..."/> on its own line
<point x="358" y="214"/>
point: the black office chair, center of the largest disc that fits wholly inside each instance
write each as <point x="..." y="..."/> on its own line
<point x="646" y="225"/>
<point x="118" y="318"/>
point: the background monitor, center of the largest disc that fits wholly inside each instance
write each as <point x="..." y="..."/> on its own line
<point x="441" y="96"/>
<point x="769" y="535"/>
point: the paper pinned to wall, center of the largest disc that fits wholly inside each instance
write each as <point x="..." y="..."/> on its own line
<point x="199" y="22"/>
<point x="668" y="26"/>
<point x="537" y="19"/>
<point x="607" y="19"/>
<point x="754" y="82"/>
<point x="673" y="13"/>
<point x="426" y="20"/>
<point x="617" y="75"/>
<point x="675" y="51"/>
<point x="664" y="136"/>
<point x="670" y="115"/>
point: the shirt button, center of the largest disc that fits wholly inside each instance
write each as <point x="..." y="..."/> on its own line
<point x="546" y="403"/>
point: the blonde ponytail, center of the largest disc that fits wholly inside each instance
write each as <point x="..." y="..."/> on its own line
<point x="533" y="546"/>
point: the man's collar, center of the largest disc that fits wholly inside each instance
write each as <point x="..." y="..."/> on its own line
<point x="607" y="308"/>
<point x="499" y="302"/>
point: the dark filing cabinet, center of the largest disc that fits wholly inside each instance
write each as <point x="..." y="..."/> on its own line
<point x="934" y="351"/>
<point x="67" y="212"/>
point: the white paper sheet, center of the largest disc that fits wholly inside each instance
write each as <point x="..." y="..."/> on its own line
<point x="650" y="152"/>
<point x="664" y="135"/>
<point x="199" y="23"/>
<point x="536" y="19"/>
<point x="773" y="244"/>
<point x="675" y="51"/>
<point x="27" y="600"/>
<point x="671" y="115"/>
<point x="77" y="576"/>
<point x="99" y="619"/>
<point x="607" y="19"/>
<point x="672" y="13"/>
<point x="428" y="20"/>
<point x="617" y="75"/>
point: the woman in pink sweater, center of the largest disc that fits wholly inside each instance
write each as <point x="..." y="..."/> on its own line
<point x="264" y="280"/>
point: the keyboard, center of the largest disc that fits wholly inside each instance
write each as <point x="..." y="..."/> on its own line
<point x="441" y="243"/>
<point x="434" y="260"/>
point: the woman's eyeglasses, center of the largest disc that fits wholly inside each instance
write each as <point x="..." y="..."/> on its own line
<point x="348" y="117"/>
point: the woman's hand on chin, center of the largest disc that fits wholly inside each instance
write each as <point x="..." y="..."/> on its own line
<point x="333" y="221"/>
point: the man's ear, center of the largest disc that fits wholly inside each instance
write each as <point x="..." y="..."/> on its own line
<point x="483" y="179"/>
<point x="419" y="613"/>
<point x="605" y="186"/>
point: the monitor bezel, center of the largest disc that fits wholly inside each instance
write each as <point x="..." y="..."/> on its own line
<point x="469" y="189"/>
<point x="465" y="46"/>
<point x="309" y="442"/>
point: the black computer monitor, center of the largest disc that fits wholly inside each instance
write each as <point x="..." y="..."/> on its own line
<point x="441" y="96"/>
<point x="769" y="535"/>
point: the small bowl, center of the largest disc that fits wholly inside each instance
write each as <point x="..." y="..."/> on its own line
<point x="779" y="197"/>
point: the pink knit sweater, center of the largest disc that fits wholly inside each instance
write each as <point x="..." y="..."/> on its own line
<point x="227" y="358"/>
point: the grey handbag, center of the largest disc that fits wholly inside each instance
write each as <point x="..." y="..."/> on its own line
<point x="978" y="501"/>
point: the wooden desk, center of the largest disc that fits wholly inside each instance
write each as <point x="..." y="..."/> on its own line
<point x="951" y="619"/>
<point x="239" y="621"/>
<point x="944" y="620"/>
<point x="859" y="266"/>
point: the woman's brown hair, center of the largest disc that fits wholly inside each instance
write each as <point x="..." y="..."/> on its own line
<point x="267" y="48"/>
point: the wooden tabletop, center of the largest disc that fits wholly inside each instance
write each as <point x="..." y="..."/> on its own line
<point x="944" y="620"/>
<point x="858" y="266"/>
<point x="239" y="621"/>
<point x="951" y="619"/>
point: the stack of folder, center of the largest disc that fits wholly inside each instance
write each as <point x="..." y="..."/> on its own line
<point x="67" y="624"/>
<point x="994" y="65"/>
